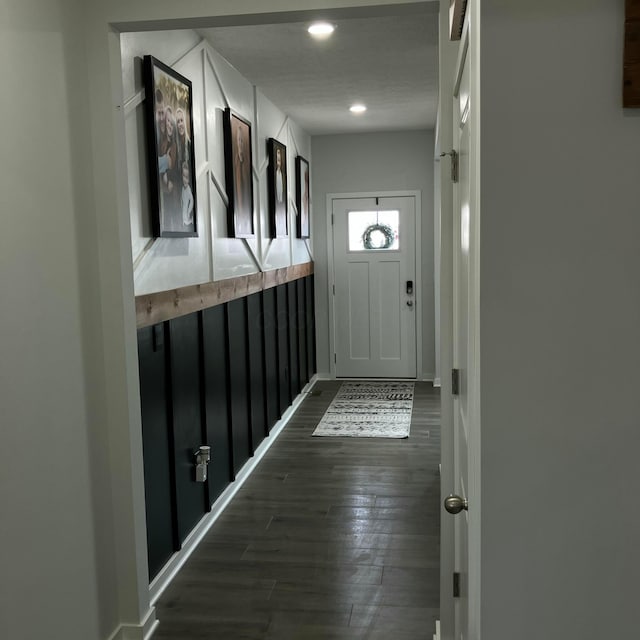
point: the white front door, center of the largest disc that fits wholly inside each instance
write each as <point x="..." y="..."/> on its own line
<point x="375" y="287"/>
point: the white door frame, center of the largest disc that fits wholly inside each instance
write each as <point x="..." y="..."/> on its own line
<point x="331" y="276"/>
<point x="448" y="53"/>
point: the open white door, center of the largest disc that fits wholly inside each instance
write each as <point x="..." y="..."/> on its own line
<point x="465" y="500"/>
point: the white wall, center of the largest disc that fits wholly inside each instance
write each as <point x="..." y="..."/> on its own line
<point x="166" y="263"/>
<point x="54" y="535"/>
<point x="560" y="311"/>
<point x="370" y="162"/>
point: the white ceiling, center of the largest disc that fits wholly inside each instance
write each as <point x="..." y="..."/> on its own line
<point x="389" y="62"/>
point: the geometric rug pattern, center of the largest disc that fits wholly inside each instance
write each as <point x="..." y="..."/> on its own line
<point x="369" y="410"/>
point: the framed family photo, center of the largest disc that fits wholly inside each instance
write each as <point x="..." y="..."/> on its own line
<point x="171" y="158"/>
<point x="302" y="197"/>
<point x="277" y="181"/>
<point x="238" y="175"/>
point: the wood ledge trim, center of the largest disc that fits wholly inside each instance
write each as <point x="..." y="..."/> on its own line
<point x="153" y="308"/>
<point x="631" y="68"/>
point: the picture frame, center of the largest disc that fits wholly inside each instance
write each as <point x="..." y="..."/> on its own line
<point x="238" y="175"/>
<point x="278" y="193"/>
<point x="170" y="150"/>
<point x="302" y="198"/>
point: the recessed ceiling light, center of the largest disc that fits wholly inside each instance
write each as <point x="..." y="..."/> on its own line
<point x="357" y="108"/>
<point x="321" y="30"/>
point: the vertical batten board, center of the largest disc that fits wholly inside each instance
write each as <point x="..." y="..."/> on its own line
<point x="216" y="399"/>
<point x="186" y="415"/>
<point x="239" y="383"/>
<point x="301" y="324"/>
<point x="157" y="442"/>
<point x="257" y="389"/>
<point x="270" y="333"/>
<point x="283" y="348"/>
<point x="294" y="359"/>
<point x="311" y="325"/>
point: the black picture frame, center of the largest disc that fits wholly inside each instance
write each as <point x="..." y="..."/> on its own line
<point x="238" y="175"/>
<point x="278" y="194"/>
<point x="302" y="198"/>
<point x="170" y="150"/>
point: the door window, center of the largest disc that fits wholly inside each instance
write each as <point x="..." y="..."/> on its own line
<point x="373" y="230"/>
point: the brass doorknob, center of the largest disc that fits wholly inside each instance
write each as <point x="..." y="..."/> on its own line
<point x="455" y="504"/>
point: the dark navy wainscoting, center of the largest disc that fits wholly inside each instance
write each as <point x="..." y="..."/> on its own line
<point x="220" y="377"/>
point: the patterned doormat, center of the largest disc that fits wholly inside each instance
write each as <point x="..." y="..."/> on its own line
<point x="369" y="410"/>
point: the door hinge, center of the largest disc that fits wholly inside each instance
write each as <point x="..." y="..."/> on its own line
<point x="455" y="163"/>
<point x="455" y="381"/>
<point x="456" y="584"/>
<point x="334" y="289"/>
<point x="335" y="358"/>
<point x="332" y="219"/>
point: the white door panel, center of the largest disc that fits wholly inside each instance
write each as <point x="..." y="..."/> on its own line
<point x="465" y="332"/>
<point x="389" y="286"/>
<point x="359" y="300"/>
<point x="374" y="314"/>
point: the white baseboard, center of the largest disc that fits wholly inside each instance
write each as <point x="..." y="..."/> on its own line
<point x="142" y="631"/>
<point x="168" y="572"/>
<point x="436" y="635"/>
<point x="426" y="378"/>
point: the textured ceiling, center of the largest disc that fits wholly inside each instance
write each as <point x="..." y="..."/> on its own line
<point x="390" y="63"/>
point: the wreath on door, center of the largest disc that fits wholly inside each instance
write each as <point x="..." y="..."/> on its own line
<point x="378" y="236"/>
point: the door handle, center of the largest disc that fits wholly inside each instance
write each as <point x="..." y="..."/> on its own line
<point x="409" y="287"/>
<point x="455" y="504"/>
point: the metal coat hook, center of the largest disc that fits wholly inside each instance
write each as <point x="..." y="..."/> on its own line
<point x="454" y="163"/>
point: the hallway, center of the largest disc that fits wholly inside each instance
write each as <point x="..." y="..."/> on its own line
<point x="329" y="539"/>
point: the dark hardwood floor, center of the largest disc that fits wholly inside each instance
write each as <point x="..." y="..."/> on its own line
<point x="329" y="539"/>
